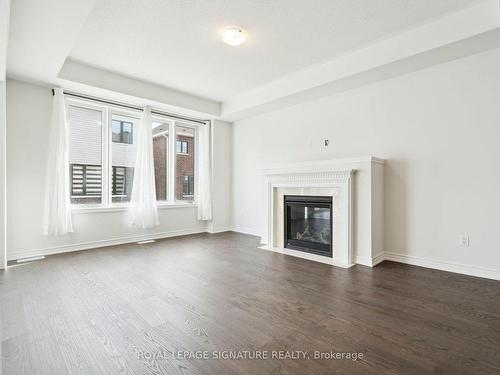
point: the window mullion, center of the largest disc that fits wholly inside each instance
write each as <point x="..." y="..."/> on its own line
<point x="196" y="164"/>
<point x="171" y="162"/>
<point x="106" y="158"/>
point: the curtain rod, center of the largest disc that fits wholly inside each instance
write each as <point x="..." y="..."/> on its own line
<point x="134" y="107"/>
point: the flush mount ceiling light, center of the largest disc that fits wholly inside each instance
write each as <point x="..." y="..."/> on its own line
<point x="234" y="36"/>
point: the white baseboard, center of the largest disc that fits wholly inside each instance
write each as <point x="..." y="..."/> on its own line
<point x="378" y="259"/>
<point x="365" y="261"/>
<point x="246" y="230"/>
<point x="20" y="254"/>
<point x="220" y="230"/>
<point x="466" y="269"/>
<point x="370" y="262"/>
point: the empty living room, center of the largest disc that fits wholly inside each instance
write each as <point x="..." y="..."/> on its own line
<point x="249" y="187"/>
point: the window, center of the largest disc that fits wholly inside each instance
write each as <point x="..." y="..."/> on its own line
<point x="161" y="159"/>
<point x="122" y="159"/>
<point x="177" y="166"/>
<point x="91" y="182"/>
<point x="102" y="151"/>
<point x="184" y="171"/>
<point x="122" y="131"/>
<point x="85" y="154"/>
<point x="188" y="186"/>
<point x="181" y="147"/>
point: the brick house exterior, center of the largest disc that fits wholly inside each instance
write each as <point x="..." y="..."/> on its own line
<point x="184" y="167"/>
<point x="160" y="150"/>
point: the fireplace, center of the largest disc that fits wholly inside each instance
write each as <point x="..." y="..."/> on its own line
<point x="308" y="223"/>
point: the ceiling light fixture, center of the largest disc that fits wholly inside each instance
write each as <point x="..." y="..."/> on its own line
<point x="234" y="36"/>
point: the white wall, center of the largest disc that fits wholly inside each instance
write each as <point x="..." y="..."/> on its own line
<point x="222" y="175"/>
<point x="28" y="116"/>
<point x="3" y="243"/>
<point x="4" y="37"/>
<point x="438" y="129"/>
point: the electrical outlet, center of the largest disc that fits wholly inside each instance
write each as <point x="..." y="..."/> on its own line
<point x="463" y="240"/>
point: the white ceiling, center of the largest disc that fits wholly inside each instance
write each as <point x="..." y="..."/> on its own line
<point x="41" y="35"/>
<point x="174" y="42"/>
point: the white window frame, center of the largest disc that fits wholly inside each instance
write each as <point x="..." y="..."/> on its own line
<point x="107" y="112"/>
<point x="172" y="159"/>
<point x="104" y="115"/>
<point x="170" y="164"/>
<point x="118" y="111"/>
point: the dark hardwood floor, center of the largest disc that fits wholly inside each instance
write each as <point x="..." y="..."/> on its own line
<point x="125" y="309"/>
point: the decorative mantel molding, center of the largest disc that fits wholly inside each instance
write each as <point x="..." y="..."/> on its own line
<point x="319" y="164"/>
<point x="334" y="178"/>
<point x="318" y="176"/>
<point x="339" y="180"/>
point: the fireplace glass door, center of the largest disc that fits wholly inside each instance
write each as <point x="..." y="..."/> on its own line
<point x="308" y="224"/>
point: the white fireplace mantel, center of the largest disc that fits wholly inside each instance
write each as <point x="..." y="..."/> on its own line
<point x="355" y="186"/>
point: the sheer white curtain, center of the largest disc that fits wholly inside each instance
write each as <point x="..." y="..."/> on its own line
<point x="57" y="213"/>
<point x="143" y="211"/>
<point x="204" y="173"/>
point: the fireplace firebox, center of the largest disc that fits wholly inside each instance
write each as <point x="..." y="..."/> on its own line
<point x="308" y="224"/>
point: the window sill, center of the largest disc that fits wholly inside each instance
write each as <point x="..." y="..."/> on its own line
<point x="161" y="206"/>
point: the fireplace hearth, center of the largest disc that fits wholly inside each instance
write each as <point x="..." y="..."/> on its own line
<point x="308" y="224"/>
